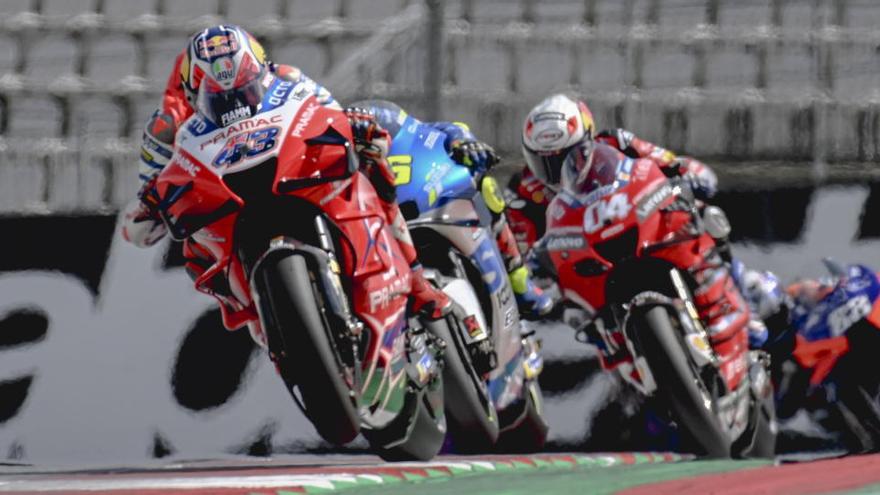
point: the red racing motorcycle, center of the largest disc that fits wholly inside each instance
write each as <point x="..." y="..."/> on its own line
<point x="621" y="250"/>
<point x="289" y="237"/>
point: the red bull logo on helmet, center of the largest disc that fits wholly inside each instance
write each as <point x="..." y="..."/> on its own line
<point x="214" y="44"/>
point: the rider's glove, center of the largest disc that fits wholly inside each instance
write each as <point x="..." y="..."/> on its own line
<point x="371" y="140"/>
<point x="702" y="180"/>
<point x="149" y="196"/>
<point x="141" y="223"/>
<point x="473" y="153"/>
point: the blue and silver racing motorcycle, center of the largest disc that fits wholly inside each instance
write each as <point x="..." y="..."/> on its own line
<point x="490" y="377"/>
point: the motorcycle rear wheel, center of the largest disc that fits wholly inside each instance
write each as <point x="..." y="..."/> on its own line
<point x="304" y="350"/>
<point x="473" y="422"/>
<point x="679" y="383"/>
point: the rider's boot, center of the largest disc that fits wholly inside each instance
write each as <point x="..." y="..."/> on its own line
<point x="531" y="300"/>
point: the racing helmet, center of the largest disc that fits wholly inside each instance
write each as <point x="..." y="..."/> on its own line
<point x="552" y="129"/>
<point x="224" y="74"/>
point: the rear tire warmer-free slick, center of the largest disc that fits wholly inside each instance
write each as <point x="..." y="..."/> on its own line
<point x="309" y="359"/>
<point x="677" y="379"/>
<point x="425" y="438"/>
<point x="473" y="423"/>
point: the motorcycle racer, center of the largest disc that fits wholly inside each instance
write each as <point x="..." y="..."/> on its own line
<point x="464" y="147"/>
<point x="223" y="74"/>
<point x="559" y="141"/>
<point x="589" y="165"/>
<point x="551" y="129"/>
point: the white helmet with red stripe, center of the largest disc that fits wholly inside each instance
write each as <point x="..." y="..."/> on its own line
<point x="552" y="129"/>
<point x="224" y="74"/>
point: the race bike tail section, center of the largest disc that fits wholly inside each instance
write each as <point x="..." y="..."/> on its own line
<point x="290" y="238"/>
<point x="496" y="365"/>
<point x="628" y="249"/>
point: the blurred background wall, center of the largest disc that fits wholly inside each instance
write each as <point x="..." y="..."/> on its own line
<point x="790" y="81"/>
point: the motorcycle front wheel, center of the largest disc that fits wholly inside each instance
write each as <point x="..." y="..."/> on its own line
<point x="305" y="352"/>
<point x="679" y="383"/>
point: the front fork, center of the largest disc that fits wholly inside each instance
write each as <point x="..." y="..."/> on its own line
<point x="321" y="261"/>
<point x="694" y="335"/>
<point x="355" y="326"/>
<point x="533" y="362"/>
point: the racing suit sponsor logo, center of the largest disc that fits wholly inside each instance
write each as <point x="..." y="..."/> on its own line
<point x="279" y="93"/>
<point x="652" y="201"/>
<point x="304" y="119"/>
<point x="431" y="140"/>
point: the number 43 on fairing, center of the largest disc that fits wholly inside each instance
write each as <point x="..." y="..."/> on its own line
<point x="246" y="145"/>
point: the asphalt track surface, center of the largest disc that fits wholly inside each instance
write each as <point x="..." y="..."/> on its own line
<point x="629" y="474"/>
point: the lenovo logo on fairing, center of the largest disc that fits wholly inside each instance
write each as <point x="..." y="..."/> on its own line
<point x="653" y="201"/>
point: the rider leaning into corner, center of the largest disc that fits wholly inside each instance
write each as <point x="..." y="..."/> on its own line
<point x="464" y="147"/>
<point x="560" y="125"/>
<point x="229" y="65"/>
